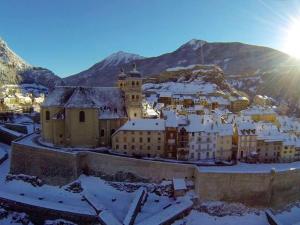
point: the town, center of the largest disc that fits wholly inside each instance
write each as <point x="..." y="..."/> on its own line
<point x="185" y="120"/>
<point x="150" y="112"/>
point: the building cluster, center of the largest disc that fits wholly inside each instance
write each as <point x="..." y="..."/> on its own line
<point x="180" y="125"/>
<point x="15" y="98"/>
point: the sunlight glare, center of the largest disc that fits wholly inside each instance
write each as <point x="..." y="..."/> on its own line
<point x="292" y="38"/>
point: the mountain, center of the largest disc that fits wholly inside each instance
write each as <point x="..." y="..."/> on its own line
<point x="14" y="70"/>
<point x="232" y="58"/>
<point x="101" y="73"/>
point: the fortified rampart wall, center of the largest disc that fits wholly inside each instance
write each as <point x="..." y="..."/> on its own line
<point x="257" y="189"/>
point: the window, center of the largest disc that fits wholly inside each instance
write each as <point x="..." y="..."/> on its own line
<point x="137" y="83"/>
<point x="132" y="147"/>
<point x="132" y="83"/>
<point x="132" y="96"/>
<point x="47" y="115"/>
<point x="102" y="133"/>
<point x="81" y="116"/>
<point x="125" y="147"/>
<point x="158" y="148"/>
<point x="133" y="139"/>
<point x="158" y="139"/>
<point x="117" y="146"/>
<point x="148" y="139"/>
<point x="125" y="139"/>
<point x="135" y="114"/>
<point x="141" y="139"/>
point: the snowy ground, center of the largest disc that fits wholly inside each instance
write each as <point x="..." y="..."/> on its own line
<point x="200" y="218"/>
<point x="252" y="168"/>
<point x="117" y="196"/>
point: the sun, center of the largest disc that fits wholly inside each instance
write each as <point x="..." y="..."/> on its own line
<point x="292" y="38"/>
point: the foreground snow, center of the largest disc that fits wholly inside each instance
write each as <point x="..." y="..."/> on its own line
<point x="252" y="168"/>
<point x="196" y="218"/>
<point x="116" y="198"/>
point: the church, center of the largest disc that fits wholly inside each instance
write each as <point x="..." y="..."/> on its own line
<point x="88" y="116"/>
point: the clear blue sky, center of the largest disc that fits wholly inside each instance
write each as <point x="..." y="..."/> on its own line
<point x="68" y="36"/>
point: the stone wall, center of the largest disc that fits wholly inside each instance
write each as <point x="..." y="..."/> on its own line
<point x="248" y="188"/>
<point x="152" y="170"/>
<point x="54" y="167"/>
<point x="256" y="189"/>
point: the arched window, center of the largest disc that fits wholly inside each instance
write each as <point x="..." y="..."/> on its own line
<point x="81" y="116"/>
<point x="47" y="115"/>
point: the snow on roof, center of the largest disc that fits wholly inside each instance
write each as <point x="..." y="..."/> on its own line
<point x="258" y="110"/>
<point x="109" y="100"/>
<point x="165" y="94"/>
<point x="246" y="128"/>
<point x="171" y="118"/>
<point x="12" y="132"/>
<point x="59" y="96"/>
<point x="179" y="184"/>
<point x="168" y="213"/>
<point x="107" y="218"/>
<point x="197" y="86"/>
<point x="144" y="124"/>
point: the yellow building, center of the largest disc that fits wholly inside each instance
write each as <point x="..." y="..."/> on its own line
<point x="268" y="150"/>
<point x="238" y="103"/>
<point x="140" y="137"/>
<point x="224" y="142"/>
<point x="261" y="114"/>
<point x="288" y="151"/>
<point x="262" y="100"/>
<point x="81" y="116"/>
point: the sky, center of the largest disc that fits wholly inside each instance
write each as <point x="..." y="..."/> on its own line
<point x="68" y="36"/>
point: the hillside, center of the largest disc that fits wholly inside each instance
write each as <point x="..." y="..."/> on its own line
<point x="14" y="70"/>
<point x="232" y="58"/>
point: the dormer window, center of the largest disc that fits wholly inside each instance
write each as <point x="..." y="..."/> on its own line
<point x="81" y="116"/>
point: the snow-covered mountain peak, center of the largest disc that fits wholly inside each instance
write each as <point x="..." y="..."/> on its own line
<point x="121" y="57"/>
<point x="195" y="44"/>
<point x="8" y="57"/>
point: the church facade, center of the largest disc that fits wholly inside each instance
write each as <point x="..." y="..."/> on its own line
<point x="88" y="116"/>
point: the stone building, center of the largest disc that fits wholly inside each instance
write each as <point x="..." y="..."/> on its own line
<point x="87" y="117"/>
<point x="140" y="137"/>
<point x="238" y="103"/>
<point x="82" y="116"/>
<point x="131" y="85"/>
<point x="246" y="136"/>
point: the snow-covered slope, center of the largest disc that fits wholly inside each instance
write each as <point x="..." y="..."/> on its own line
<point x="14" y="70"/>
<point x="8" y="57"/>
<point x="102" y="73"/>
<point x="233" y="58"/>
<point x="120" y="58"/>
